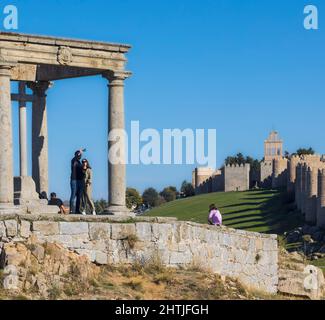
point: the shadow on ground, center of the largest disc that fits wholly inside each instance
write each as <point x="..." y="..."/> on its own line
<point x="277" y="212"/>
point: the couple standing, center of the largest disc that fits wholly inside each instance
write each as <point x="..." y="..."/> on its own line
<point x="81" y="185"/>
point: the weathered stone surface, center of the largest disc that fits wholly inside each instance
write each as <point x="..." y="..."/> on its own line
<point x="11" y="282"/>
<point x="101" y="257"/>
<point x="73" y="228"/>
<point x="25" y="229"/>
<point x="11" y="227"/>
<point x="64" y="239"/>
<point x="38" y="252"/>
<point x="10" y="269"/>
<point x="121" y="231"/>
<point x="91" y="255"/>
<point x="162" y="232"/>
<point x="99" y="231"/>
<point x="2" y="229"/>
<point x="307" y="283"/>
<point x="222" y="250"/>
<point x="180" y="258"/>
<point x="42" y="266"/>
<point x="143" y="231"/>
<point x="46" y="227"/>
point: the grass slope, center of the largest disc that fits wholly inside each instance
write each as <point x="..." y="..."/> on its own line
<point x="266" y="211"/>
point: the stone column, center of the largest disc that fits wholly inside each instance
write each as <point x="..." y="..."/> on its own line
<point x="116" y="141"/>
<point x="6" y="152"/>
<point x="22" y="133"/>
<point x="40" y="135"/>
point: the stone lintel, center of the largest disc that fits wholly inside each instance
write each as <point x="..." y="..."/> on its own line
<point x="41" y="39"/>
<point x="42" y="50"/>
<point x="51" y="72"/>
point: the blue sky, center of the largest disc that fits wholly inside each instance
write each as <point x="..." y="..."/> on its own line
<point x="240" y="66"/>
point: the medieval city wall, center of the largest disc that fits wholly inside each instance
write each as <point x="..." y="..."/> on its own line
<point x="237" y="177"/>
<point x="266" y="173"/>
<point x="248" y="256"/>
<point x="279" y="174"/>
<point x="206" y="180"/>
<point x="306" y="180"/>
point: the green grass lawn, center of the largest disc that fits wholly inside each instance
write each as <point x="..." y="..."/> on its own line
<point x="266" y="211"/>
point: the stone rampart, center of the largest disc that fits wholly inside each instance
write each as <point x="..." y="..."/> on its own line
<point x="250" y="257"/>
<point x="237" y="177"/>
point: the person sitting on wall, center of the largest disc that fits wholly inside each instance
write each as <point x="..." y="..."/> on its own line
<point x="43" y="195"/>
<point x="215" y="217"/>
<point x="54" y="201"/>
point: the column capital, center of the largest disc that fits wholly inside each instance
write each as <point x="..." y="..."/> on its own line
<point x="39" y="88"/>
<point x="116" y="78"/>
<point x="5" y="68"/>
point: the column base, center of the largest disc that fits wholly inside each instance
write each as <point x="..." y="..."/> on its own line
<point x="10" y="208"/>
<point x="119" y="211"/>
<point x="27" y="198"/>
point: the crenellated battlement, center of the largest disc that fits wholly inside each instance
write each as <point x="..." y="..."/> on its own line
<point x="242" y="165"/>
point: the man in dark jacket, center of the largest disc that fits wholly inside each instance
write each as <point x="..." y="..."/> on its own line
<point x="55" y="201"/>
<point x="76" y="182"/>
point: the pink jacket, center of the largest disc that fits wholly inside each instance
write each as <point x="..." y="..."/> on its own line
<point x="215" y="217"/>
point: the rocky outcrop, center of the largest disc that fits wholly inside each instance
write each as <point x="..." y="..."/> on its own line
<point x="308" y="282"/>
<point x="312" y="239"/>
<point x="42" y="267"/>
<point x="296" y="278"/>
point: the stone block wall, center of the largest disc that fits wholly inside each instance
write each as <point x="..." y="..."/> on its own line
<point x="250" y="257"/>
<point x="306" y="181"/>
<point x="279" y="174"/>
<point x="218" y="182"/>
<point x="206" y="180"/>
<point x="237" y="177"/>
<point x="291" y="173"/>
<point x="229" y="178"/>
<point x="266" y="173"/>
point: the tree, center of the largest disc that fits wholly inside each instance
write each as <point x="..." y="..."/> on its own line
<point x="169" y="193"/>
<point x="187" y="189"/>
<point x="100" y="205"/>
<point x="255" y="166"/>
<point x="239" y="159"/>
<point x="254" y="163"/>
<point x="287" y="154"/>
<point x="303" y="151"/>
<point x="150" y="197"/>
<point x="133" y="198"/>
<point x="160" y="201"/>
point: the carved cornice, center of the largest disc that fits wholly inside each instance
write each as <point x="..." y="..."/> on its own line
<point x="62" y="52"/>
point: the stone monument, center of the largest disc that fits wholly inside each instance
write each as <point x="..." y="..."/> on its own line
<point x="36" y="61"/>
